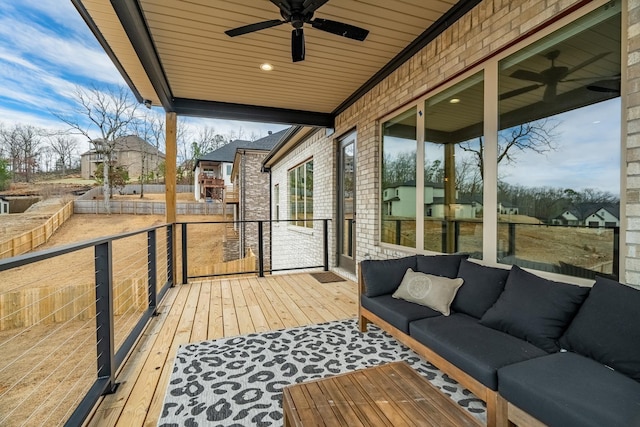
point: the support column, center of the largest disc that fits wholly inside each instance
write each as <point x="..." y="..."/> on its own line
<point x="170" y="179"/>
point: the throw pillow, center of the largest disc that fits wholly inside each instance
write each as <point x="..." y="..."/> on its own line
<point x="606" y="327"/>
<point x="440" y="265"/>
<point x="482" y="287"/>
<point x="535" y="309"/>
<point x="383" y="277"/>
<point x="432" y="291"/>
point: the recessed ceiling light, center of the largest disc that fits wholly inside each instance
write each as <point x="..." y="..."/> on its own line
<point x="266" y="67"/>
<point x="454" y="100"/>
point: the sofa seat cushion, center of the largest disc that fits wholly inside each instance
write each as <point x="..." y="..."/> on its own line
<point x="398" y="312"/>
<point x="481" y="289"/>
<point x="566" y="389"/>
<point x="535" y="309"/>
<point x="606" y="327"/>
<point x="476" y="349"/>
<point x="384" y="276"/>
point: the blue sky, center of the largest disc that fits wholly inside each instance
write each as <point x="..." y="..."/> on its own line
<point x="46" y="49"/>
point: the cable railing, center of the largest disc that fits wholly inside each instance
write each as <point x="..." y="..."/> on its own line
<point x="573" y="250"/>
<point x="68" y="318"/>
<point x="70" y="315"/>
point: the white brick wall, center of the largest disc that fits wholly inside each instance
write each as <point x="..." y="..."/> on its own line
<point x="294" y="246"/>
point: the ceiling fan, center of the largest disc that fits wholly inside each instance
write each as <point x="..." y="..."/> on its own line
<point x="549" y="77"/>
<point x="298" y="13"/>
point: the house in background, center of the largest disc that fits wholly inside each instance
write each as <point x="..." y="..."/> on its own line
<point x="251" y="196"/>
<point x="212" y="171"/>
<point x="131" y="152"/>
<point x="590" y="214"/>
<point x="399" y="200"/>
<point x="4" y="206"/>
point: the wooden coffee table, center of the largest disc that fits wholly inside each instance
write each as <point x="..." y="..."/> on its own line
<point x="388" y="395"/>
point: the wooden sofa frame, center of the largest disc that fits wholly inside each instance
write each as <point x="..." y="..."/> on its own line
<point x="500" y="413"/>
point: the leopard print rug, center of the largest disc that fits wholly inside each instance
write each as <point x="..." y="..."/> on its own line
<point x="238" y="381"/>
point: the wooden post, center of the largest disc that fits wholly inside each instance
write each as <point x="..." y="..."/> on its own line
<point x="450" y="195"/>
<point x="170" y="179"/>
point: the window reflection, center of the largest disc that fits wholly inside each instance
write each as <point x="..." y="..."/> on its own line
<point x="399" y="180"/>
<point x="559" y="150"/>
<point x="453" y="165"/>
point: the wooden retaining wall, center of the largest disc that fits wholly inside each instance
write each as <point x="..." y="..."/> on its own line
<point x="30" y="240"/>
<point x="143" y="207"/>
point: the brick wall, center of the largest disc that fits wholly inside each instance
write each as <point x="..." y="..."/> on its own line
<point x="254" y="202"/>
<point x="487" y="28"/>
<point x="632" y="155"/>
<point x="294" y="246"/>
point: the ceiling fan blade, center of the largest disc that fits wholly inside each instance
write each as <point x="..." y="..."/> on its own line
<point x="520" y="91"/>
<point x="528" y="75"/>
<point x="340" y="28"/>
<point x="311" y="6"/>
<point x="253" y="27"/>
<point x="283" y="5"/>
<point x="297" y="45"/>
<point x="587" y="62"/>
<point x="550" y="92"/>
<point x="606" y="86"/>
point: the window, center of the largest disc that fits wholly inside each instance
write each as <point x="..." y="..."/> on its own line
<point x="453" y="159"/>
<point x="229" y="168"/>
<point x="399" y="175"/>
<point x="538" y="184"/>
<point x="301" y="194"/>
<point x="559" y="148"/>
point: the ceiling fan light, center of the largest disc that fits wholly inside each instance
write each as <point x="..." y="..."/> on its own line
<point x="297" y="45"/>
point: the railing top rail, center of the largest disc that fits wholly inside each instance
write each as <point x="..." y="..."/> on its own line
<point x="254" y="221"/>
<point x="18" y="261"/>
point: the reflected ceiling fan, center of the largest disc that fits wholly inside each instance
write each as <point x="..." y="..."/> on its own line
<point x="550" y="77"/>
<point x="298" y="13"/>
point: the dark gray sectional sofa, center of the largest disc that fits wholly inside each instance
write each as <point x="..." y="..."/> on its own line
<point x="535" y="350"/>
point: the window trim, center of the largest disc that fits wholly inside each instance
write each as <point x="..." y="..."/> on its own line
<point x="294" y="221"/>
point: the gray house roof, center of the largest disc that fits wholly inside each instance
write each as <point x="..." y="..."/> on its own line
<point x="227" y="152"/>
<point x="128" y="143"/>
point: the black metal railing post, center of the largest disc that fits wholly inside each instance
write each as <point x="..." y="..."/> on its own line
<point x="616" y="252"/>
<point x="443" y="236"/>
<point x="512" y="239"/>
<point x="104" y="316"/>
<point x="456" y="242"/>
<point x="260" y="250"/>
<point x="152" y="269"/>
<point x="184" y="253"/>
<point x="398" y="231"/>
<point x="325" y="242"/>
<point x="170" y="266"/>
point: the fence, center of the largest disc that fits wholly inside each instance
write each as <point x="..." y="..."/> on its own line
<point x="92" y="203"/>
<point x="30" y="240"/>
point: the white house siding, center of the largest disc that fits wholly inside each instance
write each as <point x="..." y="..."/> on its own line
<point x="294" y="246"/>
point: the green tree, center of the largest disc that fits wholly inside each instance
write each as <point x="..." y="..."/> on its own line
<point x="5" y="174"/>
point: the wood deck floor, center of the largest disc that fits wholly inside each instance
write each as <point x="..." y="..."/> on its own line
<point x="209" y="310"/>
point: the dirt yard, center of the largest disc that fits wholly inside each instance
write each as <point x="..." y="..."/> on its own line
<point x="30" y="390"/>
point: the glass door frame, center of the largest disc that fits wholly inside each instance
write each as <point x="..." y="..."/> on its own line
<point x="346" y="261"/>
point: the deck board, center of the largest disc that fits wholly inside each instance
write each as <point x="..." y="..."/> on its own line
<point x="209" y="310"/>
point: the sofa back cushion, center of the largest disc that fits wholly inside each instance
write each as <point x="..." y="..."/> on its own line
<point x="606" y="327"/>
<point x="384" y="276"/>
<point x="440" y="265"/>
<point x="535" y="309"/>
<point x="481" y="289"/>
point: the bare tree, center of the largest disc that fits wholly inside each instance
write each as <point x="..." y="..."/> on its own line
<point x="22" y="143"/>
<point x="108" y="112"/>
<point x="149" y="127"/>
<point x="538" y="136"/>
<point x="64" y="146"/>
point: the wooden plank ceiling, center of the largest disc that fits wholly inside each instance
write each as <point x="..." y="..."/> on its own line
<point x="187" y="57"/>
